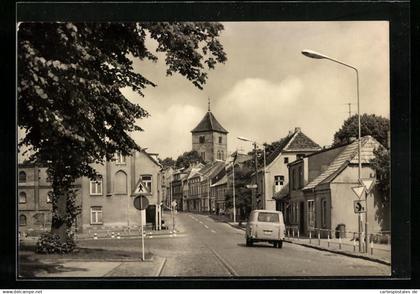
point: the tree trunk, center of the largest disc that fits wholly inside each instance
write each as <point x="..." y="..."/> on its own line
<point x="59" y="224"/>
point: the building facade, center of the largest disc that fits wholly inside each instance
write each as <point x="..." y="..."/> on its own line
<point x="321" y="195"/>
<point x="34" y="201"/>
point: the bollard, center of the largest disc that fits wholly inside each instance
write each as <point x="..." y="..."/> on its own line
<point x="328" y="239"/>
<point x="354" y="244"/>
<point x="95" y="236"/>
<point x="112" y="235"/>
<point x="371" y="247"/>
<point x="118" y="236"/>
<point x="293" y="233"/>
<point x="310" y="237"/>
<point x="298" y="233"/>
<point x="339" y="245"/>
<point x="288" y="233"/>
<point x="319" y="239"/>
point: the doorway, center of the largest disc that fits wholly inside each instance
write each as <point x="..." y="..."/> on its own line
<point x="301" y="217"/>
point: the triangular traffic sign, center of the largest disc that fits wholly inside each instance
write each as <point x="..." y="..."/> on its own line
<point x="140" y="189"/>
<point x="358" y="191"/>
<point x="368" y="184"/>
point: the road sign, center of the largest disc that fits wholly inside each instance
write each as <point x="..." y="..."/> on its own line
<point x="141" y="202"/>
<point x="358" y="191"/>
<point x="141" y="189"/>
<point x="368" y="184"/>
<point x="252" y="186"/>
<point x="359" y="206"/>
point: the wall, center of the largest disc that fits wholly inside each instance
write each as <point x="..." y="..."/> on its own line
<point x="211" y="144"/>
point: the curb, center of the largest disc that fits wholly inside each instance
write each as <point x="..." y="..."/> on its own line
<point x="342" y="253"/>
<point x="329" y="250"/>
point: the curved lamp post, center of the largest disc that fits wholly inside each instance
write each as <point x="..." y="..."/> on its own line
<point x="316" y="55"/>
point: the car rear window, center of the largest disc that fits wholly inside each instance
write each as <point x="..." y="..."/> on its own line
<point x="268" y="217"/>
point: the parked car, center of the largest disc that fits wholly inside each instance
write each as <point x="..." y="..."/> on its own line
<point x="265" y="226"/>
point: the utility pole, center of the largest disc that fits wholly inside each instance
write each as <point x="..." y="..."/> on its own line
<point x="349" y="104"/>
<point x="256" y="173"/>
<point x="233" y="188"/>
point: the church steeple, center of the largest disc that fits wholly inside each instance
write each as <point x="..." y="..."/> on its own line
<point x="209" y="138"/>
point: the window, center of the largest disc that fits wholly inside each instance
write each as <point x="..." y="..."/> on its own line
<point x="96" y="187"/>
<point x="278" y="183"/>
<point x="22" y="220"/>
<point x="268" y="217"/>
<point x="120" y="158"/>
<point x="220" y="139"/>
<point x="147" y="182"/>
<point x="22" y="197"/>
<point x="286" y="160"/>
<point x="120" y="184"/>
<point x="201" y="139"/>
<point x="203" y="155"/>
<point x="311" y="213"/>
<point x="324" y="212"/>
<point x="22" y="177"/>
<point x="96" y="215"/>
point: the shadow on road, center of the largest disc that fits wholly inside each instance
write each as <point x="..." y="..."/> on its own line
<point x="256" y="245"/>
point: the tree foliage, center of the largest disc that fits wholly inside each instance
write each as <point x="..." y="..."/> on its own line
<point x="381" y="163"/>
<point x="69" y="81"/>
<point x="167" y="162"/>
<point x="187" y="158"/>
<point x="370" y="124"/>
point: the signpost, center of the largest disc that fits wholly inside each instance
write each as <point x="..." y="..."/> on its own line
<point x="359" y="206"/>
<point x="359" y="191"/>
<point x="173" y="207"/>
<point x="141" y="203"/>
<point x="368" y="184"/>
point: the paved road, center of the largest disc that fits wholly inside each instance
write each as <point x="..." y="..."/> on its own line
<point x="206" y="247"/>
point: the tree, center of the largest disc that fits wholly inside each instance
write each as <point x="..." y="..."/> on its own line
<point x="187" y="158"/>
<point x="370" y="124"/>
<point x="69" y="99"/>
<point x="243" y="195"/>
<point x="381" y="164"/>
<point x="167" y="162"/>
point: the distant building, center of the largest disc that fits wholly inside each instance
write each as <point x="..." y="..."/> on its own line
<point x="294" y="146"/>
<point x="209" y="139"/>
<point x="321" y="195"/>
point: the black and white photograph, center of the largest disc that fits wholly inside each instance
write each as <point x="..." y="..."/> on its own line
<point x="203" y="149"/>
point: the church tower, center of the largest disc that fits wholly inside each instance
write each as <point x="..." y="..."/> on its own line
<point x="209" y="138"/>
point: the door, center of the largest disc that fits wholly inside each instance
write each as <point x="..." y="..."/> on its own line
<point x="268" y="226"/>
<point x="301" y="217"/>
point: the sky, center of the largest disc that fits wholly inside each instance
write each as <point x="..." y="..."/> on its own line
<point x="267" y="87"/>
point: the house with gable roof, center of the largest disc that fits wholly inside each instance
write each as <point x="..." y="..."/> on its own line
<point x="294" y="146"/>
<point x="320" y="185"/>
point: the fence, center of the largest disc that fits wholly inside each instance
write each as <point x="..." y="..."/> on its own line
<point x="341" y="238"/>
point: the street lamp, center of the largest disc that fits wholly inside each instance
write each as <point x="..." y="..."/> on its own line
<point x="256" y="167"/>
<point x="316" y="55"/>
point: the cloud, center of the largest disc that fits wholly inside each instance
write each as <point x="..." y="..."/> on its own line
<point x="168" y="132"/>
<point x="258" y="109"/>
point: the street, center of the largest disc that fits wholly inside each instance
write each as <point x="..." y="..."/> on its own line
<point x="206" y="247"/>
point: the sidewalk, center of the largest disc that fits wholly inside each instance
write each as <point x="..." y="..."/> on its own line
<point x="381" y="252"/>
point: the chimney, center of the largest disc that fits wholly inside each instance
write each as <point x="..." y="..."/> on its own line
<point x="297" y="129"/>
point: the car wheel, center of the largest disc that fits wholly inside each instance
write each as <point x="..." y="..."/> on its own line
<point x="249" y="242"/>
<point x="280" y="244"/>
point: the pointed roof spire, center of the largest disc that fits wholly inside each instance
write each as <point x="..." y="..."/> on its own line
<point x="209" y="104"/>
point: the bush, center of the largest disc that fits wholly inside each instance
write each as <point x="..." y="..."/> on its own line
<point x="50" y="243"/>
